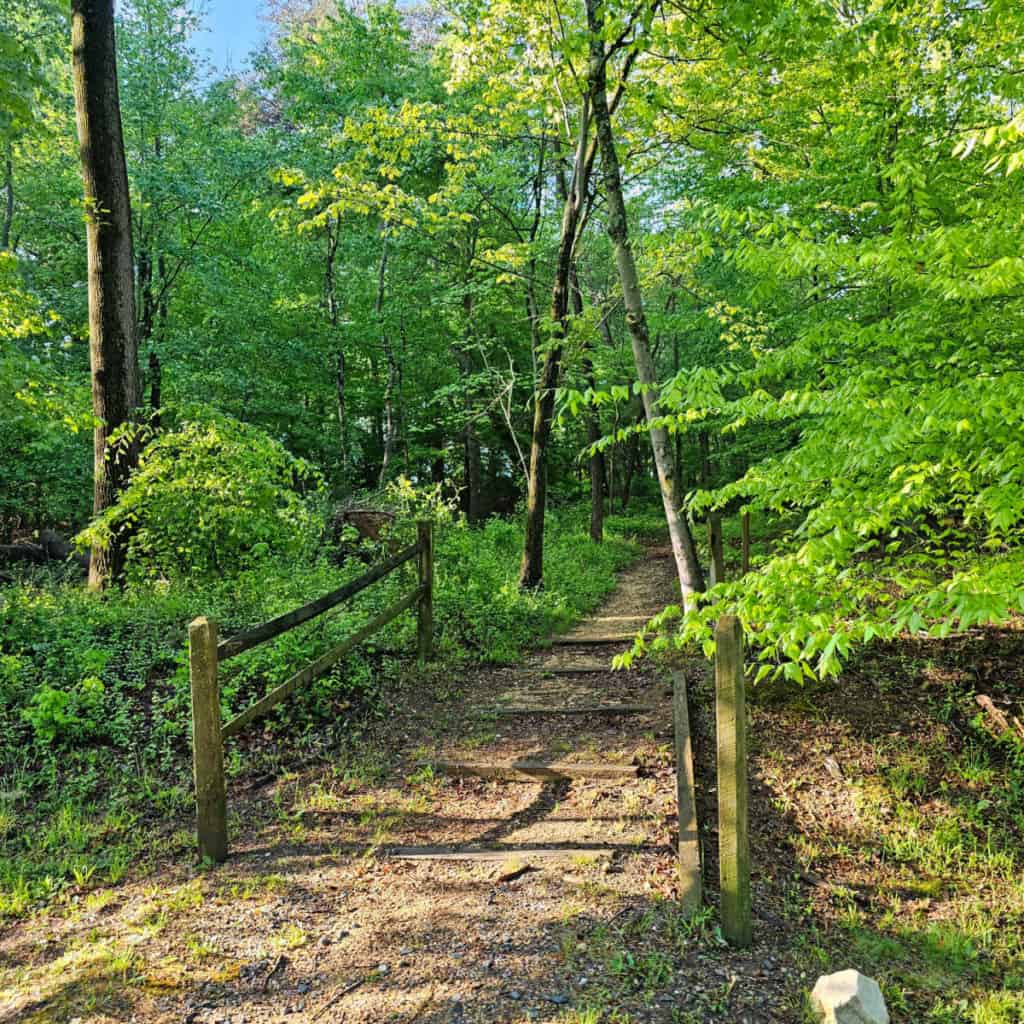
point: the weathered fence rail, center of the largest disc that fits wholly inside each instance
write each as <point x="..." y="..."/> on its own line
<point x="206" y="654"/>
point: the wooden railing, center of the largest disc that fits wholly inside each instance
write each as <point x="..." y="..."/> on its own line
<point x="206" y="654"/>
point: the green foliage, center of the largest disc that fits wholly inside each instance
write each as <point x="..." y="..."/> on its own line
<point x="45" y="425"/>
<point x="210" y="496"/>
<point x="94" y="694"/>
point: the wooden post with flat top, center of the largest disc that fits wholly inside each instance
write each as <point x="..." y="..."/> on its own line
<point x="425" y="608"/>
<point x="690" y="891"/>
<point x="733" y="845"/>
<point x="207" y="742"/>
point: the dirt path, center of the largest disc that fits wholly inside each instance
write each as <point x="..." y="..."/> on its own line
<point x="340" y="901"/>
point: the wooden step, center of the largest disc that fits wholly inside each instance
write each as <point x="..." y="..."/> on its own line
<point x="585" y="641"/>
<point x="496" y="853"/>
<point x="579" y="669"/>
<point x="581" y="709"/>
<point x="531" y="771"/>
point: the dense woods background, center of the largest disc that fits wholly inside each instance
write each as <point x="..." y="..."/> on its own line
<point x="514" y="266"/>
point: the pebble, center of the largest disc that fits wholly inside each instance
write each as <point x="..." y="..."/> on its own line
<point x="303" y="987"/>
<point x="559" y="999"/>
<point x="515" y="996"/>
<point x="383" y="969"/>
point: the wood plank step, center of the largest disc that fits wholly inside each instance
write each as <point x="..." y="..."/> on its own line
<point x="582" y="709"/>
<point x="583" y="641"/>
<point x="500" y="853"/>
<point x="531" y="771"/>
<point x="582" y="668"/>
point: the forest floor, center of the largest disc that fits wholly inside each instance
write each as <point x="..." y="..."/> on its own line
<point x="333" y="907"/>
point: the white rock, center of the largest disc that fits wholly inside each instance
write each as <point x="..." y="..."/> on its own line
<point x="848" y="997"/>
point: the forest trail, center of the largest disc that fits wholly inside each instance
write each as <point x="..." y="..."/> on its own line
<point x="375" y="888"/>
<point x="455" y="899"/>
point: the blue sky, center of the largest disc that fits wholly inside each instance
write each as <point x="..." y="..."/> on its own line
<point x="232" y="29"/>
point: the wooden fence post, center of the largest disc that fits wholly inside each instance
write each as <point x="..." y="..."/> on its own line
<point x="425" y="608"/>
<point x="207" y="742"/>
<point x="716" y="552"/>
<point x="745" y="550"/>
<point x="733" y="845"/>
<point x="690" y="890"/>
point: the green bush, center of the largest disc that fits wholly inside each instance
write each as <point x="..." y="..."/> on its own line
<point x="213" y="496"/>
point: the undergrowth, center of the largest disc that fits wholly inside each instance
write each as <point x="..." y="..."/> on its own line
<point x="94" y="692"/>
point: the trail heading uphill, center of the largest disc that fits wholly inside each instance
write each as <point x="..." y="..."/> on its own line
<point x="506" y="855"/>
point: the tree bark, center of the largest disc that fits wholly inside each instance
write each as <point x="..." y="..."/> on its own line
<point x="113" y="347"/>
<point x="531" y="570"/>
<point x="8" y="220"/>
<point x="596" y="460"/>
<point x="331" y="305"/>
<point x="691" y="578"/>
<point x="388" y="426"/>
<point x="471" y="466"/>
<point x="632" y="457"/>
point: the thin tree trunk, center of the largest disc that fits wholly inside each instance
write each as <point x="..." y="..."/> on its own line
<point x="691" y="578"/>
<point x="113" y="349"/>
<point x="632" y="458"/>
<point x="472" y="472"/>
<point x="339" y="393"/>
<point x="156" y="374"/>
<point x="8" y="221"/>
<point x="388" y="430"/>
<point x="331" y="305"/>
<point x="531" y="570"/>
<point x="596" y="460"/>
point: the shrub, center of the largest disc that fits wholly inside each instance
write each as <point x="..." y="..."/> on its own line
<point x="210" y="497"/>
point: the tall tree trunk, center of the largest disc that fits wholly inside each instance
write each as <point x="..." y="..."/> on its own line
<point x="531" y="570"/>
<point x="691" y="578"/>
<point x="388" y="421"/>
<point x="472" y="472"/>
<point x="156" y="375"/>
<point x="632" y="458"/>
<point x="113" y="349"/>
<point x="596" y="460"/>
<point x="8" y="218"/>
<point x="331" y="305"/>
<point x="339" y="393"/>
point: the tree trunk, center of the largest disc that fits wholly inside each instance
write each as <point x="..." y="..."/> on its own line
<point x="596" y="460"/>
<point x="331" y="305"/>
<point x="8" y="220"/>
<point x="339" y="393"/>
<point x="472" y="474"/>
<point x="113" y="349"/>
<point x="632" y="457"/>
<point x="691" y="579"/>
<point x="388" y="431"/>
<point x="156" y="375"/>
<point x="531" y="570"/>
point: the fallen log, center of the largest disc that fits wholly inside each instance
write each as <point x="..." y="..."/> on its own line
<point x="999" y="722"/>
<point x="52" y="547"/>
